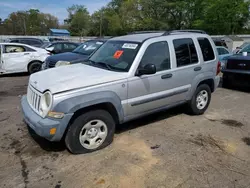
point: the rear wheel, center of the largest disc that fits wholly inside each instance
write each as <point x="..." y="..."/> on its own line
<point x="90" y="131"/>
<point x="200" y="100"/>
<point x="34" y="67"/>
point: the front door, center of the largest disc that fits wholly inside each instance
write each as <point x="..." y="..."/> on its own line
<point x="149" y="92"/>
<point x="15" y="58"/>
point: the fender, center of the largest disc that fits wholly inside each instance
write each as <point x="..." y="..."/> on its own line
<point x="71" y="105"/>
<point x="197" y="80"/>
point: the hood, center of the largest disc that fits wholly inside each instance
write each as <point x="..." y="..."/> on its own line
<point x="72" y="77"/>
<point x="68" y="56"/>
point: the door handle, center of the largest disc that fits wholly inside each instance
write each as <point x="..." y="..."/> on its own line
<point x="26" y="53"/>
<point x="197" y="68"/>
<point x="166" y="76"/>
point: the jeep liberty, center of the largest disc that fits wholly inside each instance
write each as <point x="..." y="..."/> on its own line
<point x="126" y="78"/>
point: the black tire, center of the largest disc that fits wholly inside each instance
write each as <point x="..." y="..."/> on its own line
<point x="226" y="82"/>
<point x="72" y="140"/>
<point x="192" y="105"/>
<point x="34" y="67"/>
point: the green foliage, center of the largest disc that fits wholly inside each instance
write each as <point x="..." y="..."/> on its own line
<point x="119" y="17"/>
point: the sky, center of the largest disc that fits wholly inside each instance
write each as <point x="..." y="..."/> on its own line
<point x="54" y="7"/>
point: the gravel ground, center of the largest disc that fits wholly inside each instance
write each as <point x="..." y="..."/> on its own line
<point x="166" y="150"/>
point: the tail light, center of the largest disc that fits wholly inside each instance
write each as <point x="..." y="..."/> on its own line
<point x="218" y="68"/>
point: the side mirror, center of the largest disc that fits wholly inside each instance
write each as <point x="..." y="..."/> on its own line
<point x="50" y="49"/>
<point x="147" y="69"/>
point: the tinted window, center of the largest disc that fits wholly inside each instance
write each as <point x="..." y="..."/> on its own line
<point x="185" y="52"/>
<point x="34" y="42"/>
<point x="157" y="54"/>
<point x="69" y="46"/>
<point x="57" y="47"/>
<point x="13" y="41"/>
<point x="14" y="49"/>
<point x="206" y="48"/>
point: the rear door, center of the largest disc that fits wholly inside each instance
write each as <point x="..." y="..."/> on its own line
<point x="15" y="58"/>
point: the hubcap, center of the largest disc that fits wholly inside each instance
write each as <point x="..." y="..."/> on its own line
<point x="93" y="134"/>
<point x="202" y="100"/>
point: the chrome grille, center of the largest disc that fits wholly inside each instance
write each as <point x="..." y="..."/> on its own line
<point x="34" y="98"/>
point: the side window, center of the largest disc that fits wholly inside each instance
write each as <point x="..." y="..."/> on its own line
<point x="14" y="49"/>
<point x="185" y="52"/>
<point x="57" y="47"/>
<point x="69" y="46"/>
<point x="34" y="42"/>
<point x="224" y="51"/>
<point x="219" y="51"/>
<point x="157" y="54"/>
<point x="206" y="48"/>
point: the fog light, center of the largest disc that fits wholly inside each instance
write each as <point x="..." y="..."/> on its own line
<point x="52" y="131"/>
<point x="57" y="115"/>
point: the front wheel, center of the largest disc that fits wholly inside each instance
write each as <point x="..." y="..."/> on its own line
<point x="90" y="131"/>
<point x="200" y="100"/>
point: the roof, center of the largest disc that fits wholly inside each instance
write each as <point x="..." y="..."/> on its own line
<point x="137" y="37"/>
<point x="234" y="38"/>
<point x="63" y="31"/>
<point x="145" y="36"/>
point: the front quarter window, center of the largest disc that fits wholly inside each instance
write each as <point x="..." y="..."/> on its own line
<point x="116" y="55"/>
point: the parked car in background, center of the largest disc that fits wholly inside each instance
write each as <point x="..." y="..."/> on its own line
<point x="237" y="71"/>
<point x="218" y="42"/>
<point x="80" y="54"/>
<point x="126" y="78"/>
<point x="243" y="48"/>
<point x="16" y="57"/>
<point x="60" y="47"/>
<point x="224" y="54"/>
<point x="29" y="41"/>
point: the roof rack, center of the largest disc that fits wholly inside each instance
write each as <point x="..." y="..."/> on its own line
<point x="184" y="31"/>
<point x="144" y="32"/>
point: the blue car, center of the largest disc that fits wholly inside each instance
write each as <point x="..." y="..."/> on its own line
<point x="224" y="54"/>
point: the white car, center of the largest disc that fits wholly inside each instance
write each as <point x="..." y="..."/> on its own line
<point x="15" y="57"/>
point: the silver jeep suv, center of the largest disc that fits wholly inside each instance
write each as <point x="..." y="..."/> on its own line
<point x="128" y="77"/>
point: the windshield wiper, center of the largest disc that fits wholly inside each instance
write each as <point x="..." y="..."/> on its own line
<point x="107" y="66"/>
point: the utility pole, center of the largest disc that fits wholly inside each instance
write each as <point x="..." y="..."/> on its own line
<point x="101" y="24"/>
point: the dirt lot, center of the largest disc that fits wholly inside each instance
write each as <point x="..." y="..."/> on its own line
<point x="166" y="150"/>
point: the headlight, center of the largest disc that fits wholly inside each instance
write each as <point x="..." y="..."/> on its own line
<point x="45" y="103"/>
<point x="62" y="63"/>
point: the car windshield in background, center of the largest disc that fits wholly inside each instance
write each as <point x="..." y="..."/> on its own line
<point x="115" y="55"/>
<point x="88" y="47"/>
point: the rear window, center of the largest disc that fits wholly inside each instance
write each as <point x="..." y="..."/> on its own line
<point x="206" y="48"/>
<point x="185" y="52"/>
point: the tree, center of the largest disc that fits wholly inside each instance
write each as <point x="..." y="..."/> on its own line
<point x="78" y="20"/>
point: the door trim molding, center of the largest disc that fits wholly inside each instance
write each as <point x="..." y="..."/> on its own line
<point x="162" y="96"/>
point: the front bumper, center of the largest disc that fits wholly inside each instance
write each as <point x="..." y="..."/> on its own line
<point x="41" y="125"/>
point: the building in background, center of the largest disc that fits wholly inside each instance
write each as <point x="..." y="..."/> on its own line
<point x="59" y="32"/>
<point x="233" y="41"/>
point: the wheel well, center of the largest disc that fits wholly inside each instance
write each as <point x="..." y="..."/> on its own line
<point x="209" y="82"/>
<point x="33" y="62"/>
<point x="109" y="107"/>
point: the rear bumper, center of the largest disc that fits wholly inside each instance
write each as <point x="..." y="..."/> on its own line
<point x="216" y="82"/>
<point x="41" y="125"/>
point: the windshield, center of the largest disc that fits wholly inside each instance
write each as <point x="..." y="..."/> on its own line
<point x="116" y="55"/>
<point x="88" y="47"/>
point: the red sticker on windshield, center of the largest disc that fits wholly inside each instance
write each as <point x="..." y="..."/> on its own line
<point x="118" y="54"/>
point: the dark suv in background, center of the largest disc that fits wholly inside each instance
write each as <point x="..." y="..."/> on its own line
<point x="29" y="41"/>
